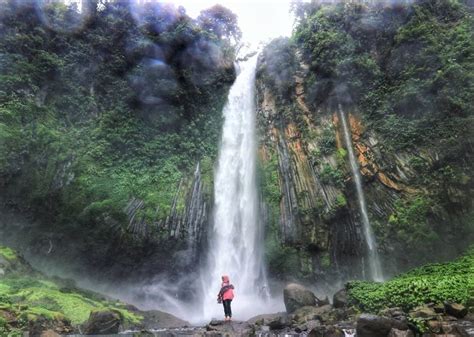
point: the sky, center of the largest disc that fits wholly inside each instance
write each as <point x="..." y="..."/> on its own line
<point x="259" y="20"/>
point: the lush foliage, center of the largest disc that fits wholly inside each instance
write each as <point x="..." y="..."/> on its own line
<point x="433" y="283"/>
<point x="7" y="253"/>
<point x="220" y="21"/>
<point x="278" y="65"/>
<point x="27" y="296"/>
<point x="409" y="69"/>
<point x="97" y="109"/>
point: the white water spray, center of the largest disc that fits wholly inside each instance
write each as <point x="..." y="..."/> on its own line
<point x="236" y="243"/>
<point x="373" y="257"/>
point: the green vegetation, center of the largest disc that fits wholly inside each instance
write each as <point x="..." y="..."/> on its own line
<point x="433" y="283"/>
<point x="30" y="295"/>
<point x="7" y="253"/>
<point x="269" y="180"/>
<point x="98" y="110"/>
<point x="327" y="141"/>
<point x="410" y="67"/>
<point x="278" y="67"/>
<point x="330" y="175"/>
<point x="282" y="259"/>
<point x="409" y="70"/>
<point x="409" y="223"/>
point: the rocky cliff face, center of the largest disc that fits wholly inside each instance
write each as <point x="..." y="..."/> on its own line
<point x="173" y="244"/>
<point x="316" y="216"/>
<point x="186" y="224"/>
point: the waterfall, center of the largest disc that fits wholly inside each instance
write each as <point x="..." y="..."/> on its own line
<point x="375" y="268"/>
<point x="236" y="240"/>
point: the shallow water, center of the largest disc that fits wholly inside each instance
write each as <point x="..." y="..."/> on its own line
<point x="155" y="333"/>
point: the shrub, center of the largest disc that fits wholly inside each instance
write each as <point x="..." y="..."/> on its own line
<point x="432" y="283"/>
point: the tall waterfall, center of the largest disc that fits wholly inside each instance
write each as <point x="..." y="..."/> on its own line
<point x="373" y="258"/>
<point x="236" y="242"/>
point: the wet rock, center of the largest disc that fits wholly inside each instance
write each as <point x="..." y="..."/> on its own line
<point x="393" y="312"/>
<point x="216" y="322"/>
<point x="102" y="322"/>
<point x="454" y="328"/>
<point x="322" y="302"/>
<point x="296" y="296"/>
<point x="308" y="326"/>
<point x="234" y="328"/>
<point x="467" y="326"/>
<point x="16" y="264"/>
<point x="39" y="325"/>
<point x="339" y="300"/>
<point x="377" y="326"/>
<point x="439" y="308"/>
<point x="50" y="333"/>
<point x="455" y="309"/>
<point x="270" y="320"/>
<point x="400" y="333"/>
<point x="373" y="326"/>
<point x="154" y="319"/>
<point x="469" y="317"/>
<point x="326" y="331"/>
<point x="423" y="312"/>
<point x="434" y="326"/>
<point x="308" y="313"/>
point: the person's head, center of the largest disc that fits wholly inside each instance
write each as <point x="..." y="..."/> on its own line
<point x="225" y="278"/>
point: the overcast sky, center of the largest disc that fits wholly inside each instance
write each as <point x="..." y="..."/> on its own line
<point x="258" y="19"/>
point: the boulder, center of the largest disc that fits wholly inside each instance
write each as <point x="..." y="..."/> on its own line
<point x="308" y="326"/>
<point x="308" y="313"/>
<point x="296" y="296"/>
<point x="439" y="308"/>
<point x="423" y="312"/>
<point x="400" y="333"/>
<point x="40" y="324"/>
<point x="322" y="302"/>
<point x="50" y="333"/>
<point x="393" y="312"/>
<point x="273" y="321"/>
<point x="339" y="300"/>
<point x="326" y="331"/>
<point x="223" y="328"/>
<point x="455" y="328"/>
<point x="102" y="322"/>
<point x="377" y="326"/>
<point x="12" y="262"/>
<point x="455" y="309"/>
<point x="434" y="326"/>
<point x="153" y="320"/>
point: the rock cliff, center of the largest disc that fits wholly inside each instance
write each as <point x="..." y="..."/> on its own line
<point x="308" y="187"/>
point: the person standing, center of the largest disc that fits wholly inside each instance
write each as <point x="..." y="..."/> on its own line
<point x="225" y="296"/>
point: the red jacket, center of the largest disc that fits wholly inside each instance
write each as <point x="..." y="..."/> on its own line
<point x="227" y="290"/>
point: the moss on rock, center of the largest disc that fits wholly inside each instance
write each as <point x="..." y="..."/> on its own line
<point x="8" y="253"/>
<point x="32" y="297"/>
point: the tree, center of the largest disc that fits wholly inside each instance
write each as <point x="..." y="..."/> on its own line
<point x="220" y="21"/>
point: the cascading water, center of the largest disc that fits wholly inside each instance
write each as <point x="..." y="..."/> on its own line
<point x="236" y="243"/>
<point x="374" y="261"/>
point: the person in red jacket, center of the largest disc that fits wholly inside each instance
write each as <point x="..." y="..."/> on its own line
<point x="225" y="296"/>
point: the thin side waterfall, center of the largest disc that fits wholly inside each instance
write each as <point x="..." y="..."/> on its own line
<point x="375" y="268"/>
<point x="236" y="242"/>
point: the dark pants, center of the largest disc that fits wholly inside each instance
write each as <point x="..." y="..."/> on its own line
<point x="227" y="309"/>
